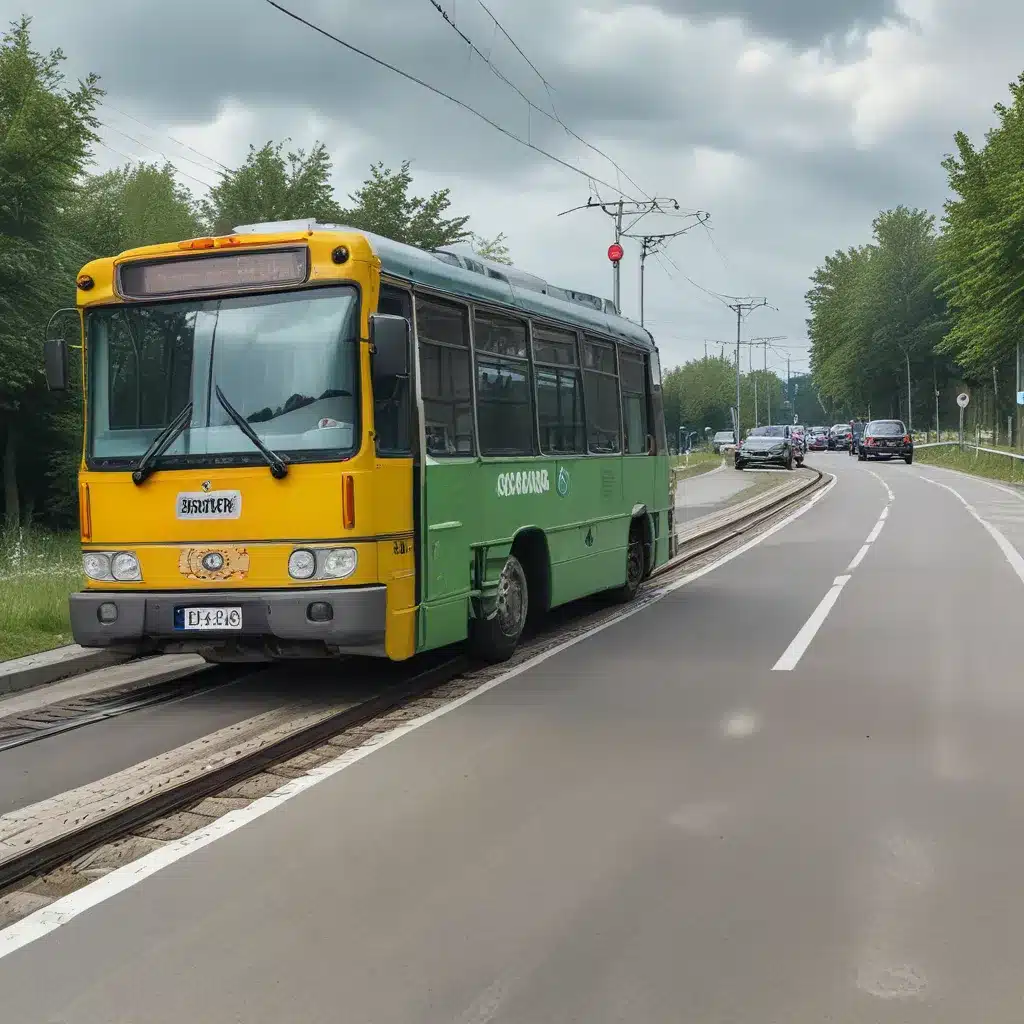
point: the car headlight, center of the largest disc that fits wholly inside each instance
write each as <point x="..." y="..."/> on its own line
<point x="96" y="565"/>
<point x="125" y="568"/>
<point x="339" y="563"/>
<point x="301" y="564"/>
<point x="112" y="566"/>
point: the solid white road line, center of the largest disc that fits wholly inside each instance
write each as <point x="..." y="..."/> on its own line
<point x="66" y="909"/>
<point x="795" y="651"/>
<point x="1010" y="553"/>
<point x="882" y="481"/>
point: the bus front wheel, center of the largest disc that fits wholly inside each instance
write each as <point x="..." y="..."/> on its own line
<point x="495" y="639"/>
<point x="634" y="565"/>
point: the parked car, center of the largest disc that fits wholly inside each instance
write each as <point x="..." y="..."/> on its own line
<point x="769" y="446"/>
<point x="882" y="439"/>
<point x="817" y="440"/>
<point x="721" y="439"/>
<point x="839" y="437"/>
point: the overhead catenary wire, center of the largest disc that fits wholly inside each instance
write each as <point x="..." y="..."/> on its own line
<point x="440" y="92"/>
<point x="177" y="142"/>
<point x="163" y="156"/>
<point x="553" y="115"/>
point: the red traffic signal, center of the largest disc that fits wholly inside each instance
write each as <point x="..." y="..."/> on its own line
<point x="615" y="252"/>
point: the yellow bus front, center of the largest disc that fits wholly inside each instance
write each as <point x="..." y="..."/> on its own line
<point x="239" y="494"/>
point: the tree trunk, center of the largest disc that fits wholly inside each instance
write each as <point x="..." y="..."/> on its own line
<point x="12" y="505"/>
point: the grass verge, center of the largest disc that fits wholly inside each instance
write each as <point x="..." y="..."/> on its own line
<point x="995" y="467"/>
<point x="697" y="463"/>
<point x="38" y="571"/>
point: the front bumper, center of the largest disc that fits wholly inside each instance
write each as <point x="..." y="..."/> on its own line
<point x="357" y="622"/>
<point x="900" y="451"/>
<point x="763" y="458"/>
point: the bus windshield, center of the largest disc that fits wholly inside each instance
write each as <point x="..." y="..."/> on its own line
<point x="287" y="362"/>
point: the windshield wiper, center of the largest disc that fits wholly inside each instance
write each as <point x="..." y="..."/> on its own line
<point x="160" y="444"/>
<point x="278" y="467"/>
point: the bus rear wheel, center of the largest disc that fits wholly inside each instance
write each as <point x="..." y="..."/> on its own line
<point x="634" y="565"/>
<point x="495" y="639"/>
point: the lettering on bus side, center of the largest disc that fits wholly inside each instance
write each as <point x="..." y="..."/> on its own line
<point x="209" y="505"/>
<point x="527" y="481"/>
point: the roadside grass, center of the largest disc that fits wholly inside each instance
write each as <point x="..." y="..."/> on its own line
<point x="695" y="463"/>
<point x="995" y="467"/>
<point x="38" y="570"/>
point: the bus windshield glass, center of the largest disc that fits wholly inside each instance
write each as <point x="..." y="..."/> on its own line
<point x="287" y="362"/>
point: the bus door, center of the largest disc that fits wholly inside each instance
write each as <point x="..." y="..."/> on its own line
<point x="445" y="397"/>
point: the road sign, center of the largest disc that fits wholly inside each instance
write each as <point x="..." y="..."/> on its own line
<point x="615" y="252"/>
<point x="1020" y="397"/>
<point x="962" y="399"/>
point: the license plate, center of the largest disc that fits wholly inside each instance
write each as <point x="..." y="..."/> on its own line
<point x="208" y="618"/>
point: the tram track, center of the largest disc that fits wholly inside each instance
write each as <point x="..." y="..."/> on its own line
<point x="57" y="845"/>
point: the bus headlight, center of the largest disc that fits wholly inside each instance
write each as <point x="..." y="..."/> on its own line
<point x="96" y="565"/>
<point x="339" y="563"/>
<point x="125" y="568"/>
<point x="301" y="564"/>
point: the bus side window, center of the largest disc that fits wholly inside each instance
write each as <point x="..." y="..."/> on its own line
<point x="601" y="390"/>
<point x="392" y="403"/>
<point x="634" y="401"/>
<point x="442" y="331"/>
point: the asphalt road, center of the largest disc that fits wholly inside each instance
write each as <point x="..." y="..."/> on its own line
<point x="653" y="825"/>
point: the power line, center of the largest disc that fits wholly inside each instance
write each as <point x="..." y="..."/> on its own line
<point x="168" y="135"/>
<point x="440" y="92"/>
<point x="163" y="156"/>
<point x="526" y="99"/>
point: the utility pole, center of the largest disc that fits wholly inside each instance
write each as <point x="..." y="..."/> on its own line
<point x="767" y="383"/>
<point x="741" y="307"/>
<point x="618" y="210"/>
<point x="650" y="244"/>
<point x="935" y="387"/>
<point x="995" y="407"/>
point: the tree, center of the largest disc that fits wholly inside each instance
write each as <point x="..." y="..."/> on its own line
<point x="273" y="185"/>
<point x="983" y="237"/>
<point x="46" y="129"/>
<point x="128" y="207"/>
<point x="494" y="249"/>
<point x="382" y="205"/>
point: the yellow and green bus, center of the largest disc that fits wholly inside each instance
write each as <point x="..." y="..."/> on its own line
<point x="303" y="440"/>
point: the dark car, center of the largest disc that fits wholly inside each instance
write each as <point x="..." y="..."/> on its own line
<point x="882" y="439"/>
<point x="770" y="446"/>
<point x="839" y="437"/>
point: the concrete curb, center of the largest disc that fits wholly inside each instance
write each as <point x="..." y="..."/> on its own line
<point x="50" y="666"/>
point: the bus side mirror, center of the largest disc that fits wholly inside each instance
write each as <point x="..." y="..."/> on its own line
<point x="389" y="336"/>
<point x="55" y="363"/>
<point x="55" y="352"/>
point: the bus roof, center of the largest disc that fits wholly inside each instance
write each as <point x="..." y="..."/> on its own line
<point x="457" y="270"/>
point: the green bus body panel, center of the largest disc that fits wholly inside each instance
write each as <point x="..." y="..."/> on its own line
<point x="473" y="508"/>
<point x="583" y="506"/>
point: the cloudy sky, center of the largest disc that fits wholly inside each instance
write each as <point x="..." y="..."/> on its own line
<point x="791" y="121"/>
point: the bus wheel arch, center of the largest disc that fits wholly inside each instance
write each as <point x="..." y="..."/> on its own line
<point x="641" y="522"/>
<point x="530" y="546"/>
<point x="639" y="556"/>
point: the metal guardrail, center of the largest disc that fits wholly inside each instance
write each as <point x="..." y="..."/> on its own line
<point x="973" y="447"/>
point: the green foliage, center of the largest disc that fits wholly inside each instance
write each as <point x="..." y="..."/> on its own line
<point x="135" y="205"/>
<point x="700" y="393"/>
<point x="873" y="309"/>
<point x="383" y="206"/>
<point x="493" y="249"/>
<point x="273" y="185"/>
<point x="983" y="237"/>
<point x="45" y="133"/>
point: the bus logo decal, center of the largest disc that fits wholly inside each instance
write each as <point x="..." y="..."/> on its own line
<point x="209" y="505"/>
<point x="562" y="484"/>
<point x="531" y="481"/>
